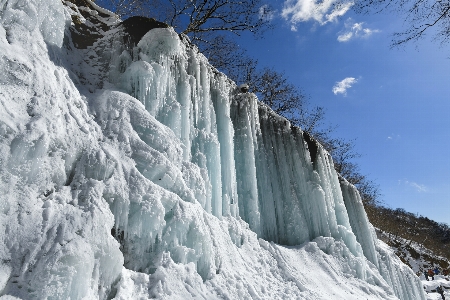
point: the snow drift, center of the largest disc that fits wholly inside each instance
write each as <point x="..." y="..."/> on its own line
<point x="139" y="171"/>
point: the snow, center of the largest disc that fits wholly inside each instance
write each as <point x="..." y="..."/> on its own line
<point x="143" y="172"/>
<point x="431" y="285"/>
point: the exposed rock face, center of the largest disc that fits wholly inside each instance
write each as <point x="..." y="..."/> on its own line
<point x="136" y="27"/>
<point x="90" y="23"/>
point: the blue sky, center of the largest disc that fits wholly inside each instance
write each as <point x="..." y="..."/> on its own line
<point x="395" y="102"/>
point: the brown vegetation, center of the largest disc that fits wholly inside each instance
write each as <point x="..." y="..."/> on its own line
<point x="398" y="224"/>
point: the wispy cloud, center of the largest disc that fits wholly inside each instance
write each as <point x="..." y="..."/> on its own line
<point x="341" y="86"/>
<point x="418" y="187"/>
<point x="322" y="11"/>
<point x="355" y="30"/>
<point x="266" y="14"/>
<point x="393" y="136"/>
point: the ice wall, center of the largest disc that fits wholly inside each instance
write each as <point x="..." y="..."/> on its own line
<point x="180" y="89"/>
<point x="256" y="163"/>
<point x="294" y="197"/>
<point x="259" y="167"/>
<point x="167" y="169"/>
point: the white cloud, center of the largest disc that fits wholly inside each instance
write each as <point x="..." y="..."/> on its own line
<point x="393" y="136"/>
<point x="338" y="11"/>
<point x="341" y="86"/>
<point x="418" y="187"/>
<point x="345" y="37"/>
<point x="322" y="11"/>
<point x="355" y="30"/>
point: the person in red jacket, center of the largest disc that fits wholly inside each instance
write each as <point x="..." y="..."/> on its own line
<point x="426" y="275"/>
<point x="431" y="273"/>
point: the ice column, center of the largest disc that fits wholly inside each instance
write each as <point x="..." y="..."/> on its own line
<point x="277" y="162"/>
<point x="245" y="124"/>
<point x="205" y="142"/>
<point x="296" y="187"/>
<point x="220" y="97"/>
<point x="359" y="222"/>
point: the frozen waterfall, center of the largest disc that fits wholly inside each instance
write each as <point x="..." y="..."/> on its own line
<point x="140" y="171"/>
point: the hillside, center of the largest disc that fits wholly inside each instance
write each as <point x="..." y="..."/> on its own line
<point x="422" y="243"/>
<point x="130" y="168"/>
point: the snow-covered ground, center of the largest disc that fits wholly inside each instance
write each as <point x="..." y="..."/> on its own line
<point x="431" y="285"/>
<point x="142" y="172"/>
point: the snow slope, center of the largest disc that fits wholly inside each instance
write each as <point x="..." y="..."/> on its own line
<point x="430" y="287"/>
<point x="139" y="171"/>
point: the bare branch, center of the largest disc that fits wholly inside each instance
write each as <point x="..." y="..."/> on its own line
<point x="420" y="15"/>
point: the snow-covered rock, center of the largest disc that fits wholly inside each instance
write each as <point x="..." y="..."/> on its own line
<point x="140" y="171"/>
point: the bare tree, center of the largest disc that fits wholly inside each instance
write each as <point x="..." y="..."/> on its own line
<point x="123" y="8"/>
<point x="344" y="156"/>
<point x="420" y="15"/>
<point x="204" y="16"/>
<point x="226" y="55"/>
<point x="275" y="90"/>
<point x="210" y="24"/>
<point x="199" y="17"/>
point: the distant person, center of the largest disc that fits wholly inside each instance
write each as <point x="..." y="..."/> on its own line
<point x="426" y="275"/>
<point x="436" y="271"/>
<point x="440" y="290"/>
<point x="445" y="272"/>
<point x="431" y="274"/>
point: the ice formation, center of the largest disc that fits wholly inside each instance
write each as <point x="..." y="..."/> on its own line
<point x="139" y="171"/>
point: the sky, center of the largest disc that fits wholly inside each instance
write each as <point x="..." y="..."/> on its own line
<point x="394" y="102"/>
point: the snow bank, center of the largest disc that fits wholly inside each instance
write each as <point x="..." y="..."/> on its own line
<point x="56" y="241"/>
<point x="45" y="15"/>
<point x="164" y="182"/>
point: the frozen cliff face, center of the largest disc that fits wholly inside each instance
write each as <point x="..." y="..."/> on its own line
<point x="136" y="170"/>
<point x="50" y="246"/>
